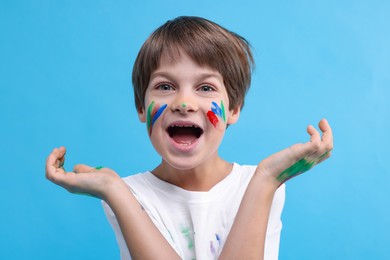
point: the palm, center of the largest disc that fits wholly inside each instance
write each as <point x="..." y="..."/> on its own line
<point x="82" y="180"/>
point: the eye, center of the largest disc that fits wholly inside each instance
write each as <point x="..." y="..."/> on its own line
<point x="206" y="88"/>
<point x="165" y="87"/>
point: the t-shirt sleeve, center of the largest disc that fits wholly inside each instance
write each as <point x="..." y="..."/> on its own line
<point x="271" y="250"/>
<point x="124" y="251"/>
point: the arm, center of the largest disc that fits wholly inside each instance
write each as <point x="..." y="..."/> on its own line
<point x="142" y="237"/>
<point x="247" y="237"/>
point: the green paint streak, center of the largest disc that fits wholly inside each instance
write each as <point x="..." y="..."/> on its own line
<point x="186" y="233"/>
<point x="223" y="111"/>
<point x="99" y="167"/>
<point x="299" y="167"/>
<point x="149" y="116"/>
<point x="322" y="157"/>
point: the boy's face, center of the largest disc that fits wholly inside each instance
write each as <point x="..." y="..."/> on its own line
<point x="186" y="110"/>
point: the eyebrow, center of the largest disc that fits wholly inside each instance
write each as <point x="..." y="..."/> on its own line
<point x="199" y="75"/>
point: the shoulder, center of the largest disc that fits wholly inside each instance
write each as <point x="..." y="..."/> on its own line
<point x="245" y="173"/>
<point x="247" y="169"/>
<point x="136" y="178"/>
<point x="244" y="167"/>
<point x="136" y="183"/>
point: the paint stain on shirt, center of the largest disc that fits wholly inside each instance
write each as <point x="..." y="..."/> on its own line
<point x="187" y="234"/>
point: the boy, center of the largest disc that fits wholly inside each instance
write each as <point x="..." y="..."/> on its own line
<point x="190" y="79"/>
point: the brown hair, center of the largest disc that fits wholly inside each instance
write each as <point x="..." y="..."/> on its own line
<point x="208" y="44"/>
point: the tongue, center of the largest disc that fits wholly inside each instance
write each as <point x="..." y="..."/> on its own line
<point x="184" y="136"/>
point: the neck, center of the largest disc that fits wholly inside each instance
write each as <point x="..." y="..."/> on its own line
<point x="199" y="178"/>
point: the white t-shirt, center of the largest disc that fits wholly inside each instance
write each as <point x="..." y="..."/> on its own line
<point x="196" y="224"/>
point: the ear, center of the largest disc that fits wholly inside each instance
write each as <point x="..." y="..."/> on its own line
<point x="142" y="115"/>
<point x="234" y="115"/>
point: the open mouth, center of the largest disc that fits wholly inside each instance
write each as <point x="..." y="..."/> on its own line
<point x="184" y="133"/>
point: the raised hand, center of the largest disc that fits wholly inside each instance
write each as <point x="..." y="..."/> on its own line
<point x="298" y="158"/>
<point x="83" y="179"/>
<point x="246" y="239"/>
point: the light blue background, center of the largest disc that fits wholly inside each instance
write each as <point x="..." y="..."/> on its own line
<point x="65" y="77"/>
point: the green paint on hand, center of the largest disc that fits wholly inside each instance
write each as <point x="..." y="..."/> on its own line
<point x="299" y="167"/>
<point x="184" y="105"/>
<point x="99" y="167"/>
<point x="321" y="157"/>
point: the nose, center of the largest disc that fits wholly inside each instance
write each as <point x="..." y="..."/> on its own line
<point x="184" y="104"/>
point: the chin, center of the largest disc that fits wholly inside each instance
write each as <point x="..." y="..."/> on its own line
<point x="182" y="164"/>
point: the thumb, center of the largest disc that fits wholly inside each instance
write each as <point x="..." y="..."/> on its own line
<point x="82" y="168"/>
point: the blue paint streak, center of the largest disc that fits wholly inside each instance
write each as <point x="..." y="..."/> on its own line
<point x="158" y="113"/>
<point x="218" y="239"/>
<point x="216" y="109"/>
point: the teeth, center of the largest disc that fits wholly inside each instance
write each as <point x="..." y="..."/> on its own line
<point x="184" y="126"/>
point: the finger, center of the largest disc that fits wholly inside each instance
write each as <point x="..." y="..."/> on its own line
<point x="314" y="134"/>
<point x="57" y="156"/>
<point x="53" y="159"/>
<point x="82" y="168"/>
<point x="327" y="136"/>
<point x="50" y="167"/>
<point x="62" y="151"/>
<point x="314" y="143"/>
<point x="53" y="156"/>
<point x="53" y="172"/>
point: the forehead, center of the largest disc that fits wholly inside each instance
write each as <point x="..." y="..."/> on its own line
<point x="179" y="60"/>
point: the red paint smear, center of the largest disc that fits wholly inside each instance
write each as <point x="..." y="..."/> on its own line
<point x="212" y="117"/>
<point x="154" y="110"/>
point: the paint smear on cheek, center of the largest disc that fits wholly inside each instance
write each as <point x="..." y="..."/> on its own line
<point x="154" y="112"/>
<point x="215" y="112"/>
<point x="212" y="118"/>
<point x="149" y="116"/>
<point x="223" y="111"/>
<point x="218" y="110"/>
<point x="158" y="113"/>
